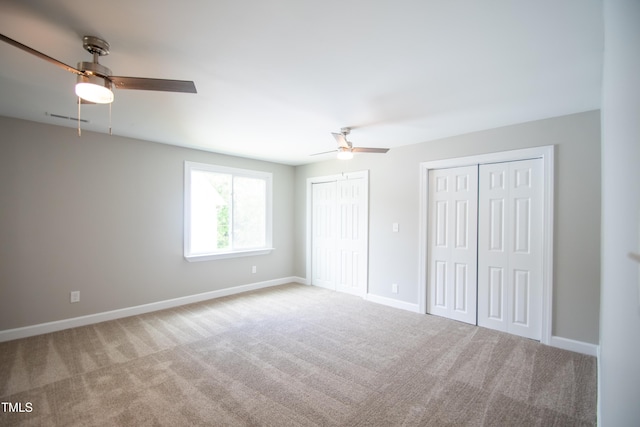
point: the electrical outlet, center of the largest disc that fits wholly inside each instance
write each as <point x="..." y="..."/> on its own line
<point x="254" y="269"/>
<point x="395" y="227"/>
<point x="74" y="296"/>
<point x="394" y="288"/>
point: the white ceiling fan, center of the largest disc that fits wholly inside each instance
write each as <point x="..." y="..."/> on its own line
<point x="346" y="149"/>
<point x="95" y="81"/>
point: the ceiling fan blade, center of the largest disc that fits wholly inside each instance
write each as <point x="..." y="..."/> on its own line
<point x="324" y="152"/>
<point x="369" y="150"/>
<point x="39" y="54"/>
<point x="163" y="85"/>
<point x="342" y="141"/>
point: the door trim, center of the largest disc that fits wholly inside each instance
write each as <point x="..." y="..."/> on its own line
<point x="546" y="153"/>
<point x="308" y="249"/>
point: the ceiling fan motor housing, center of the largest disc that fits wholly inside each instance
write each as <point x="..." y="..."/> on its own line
<point x="93" y="68"/>
<point x="94" y="73"/>
<point x="95" y="45"/>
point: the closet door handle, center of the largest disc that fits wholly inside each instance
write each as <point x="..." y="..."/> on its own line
<point x="634" y="256"/>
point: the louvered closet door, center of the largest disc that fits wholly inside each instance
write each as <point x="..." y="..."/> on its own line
<point x="452" y="243"/>
<point x="510" y="224"/>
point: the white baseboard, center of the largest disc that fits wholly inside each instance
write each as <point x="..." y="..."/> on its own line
<point x="302" y="280"/>
<point x="599" y="390"/>
<point x="58" y="325"/>
<point x="573" y="345"/>
<point x="558" y="342"/>
<point x="392" y="302"/>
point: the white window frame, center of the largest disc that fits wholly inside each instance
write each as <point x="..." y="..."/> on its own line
<point x="266" y="176"/>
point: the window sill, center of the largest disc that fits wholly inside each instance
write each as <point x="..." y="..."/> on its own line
<point x="224" y="255"/>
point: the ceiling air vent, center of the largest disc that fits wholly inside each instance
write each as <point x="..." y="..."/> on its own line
<point x="60" y="116"/>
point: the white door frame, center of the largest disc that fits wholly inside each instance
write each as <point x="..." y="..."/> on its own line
<point x="546" y="153"/>
<point x="330" y="178"/>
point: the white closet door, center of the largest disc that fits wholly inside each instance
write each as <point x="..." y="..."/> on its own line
<point x="351" y="239"/>
<point x="324" y="229"/>
<point x="510" y="225"/>
<point x="339" y="234"/>
<point x="452" y="243"/>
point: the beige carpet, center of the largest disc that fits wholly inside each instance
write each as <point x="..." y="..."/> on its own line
<point x="292" y="355"/>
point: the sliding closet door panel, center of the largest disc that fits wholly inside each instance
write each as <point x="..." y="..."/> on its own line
<point x="351" y="239"/>
<point x="493" y="254"/>
<point x="324" y="231"/>
<point x="510" y="247"/>
<point x="452" y="243"/>
<point x="526" y="259"/>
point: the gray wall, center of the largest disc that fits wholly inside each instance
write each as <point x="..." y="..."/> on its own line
<point x="394" y="182"/>
<point x="104" y="215"/>
<point x="619" y="376"/>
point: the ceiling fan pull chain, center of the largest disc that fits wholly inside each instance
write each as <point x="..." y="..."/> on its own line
<point x="110" y="132"/>
<point x="79" y="105"/>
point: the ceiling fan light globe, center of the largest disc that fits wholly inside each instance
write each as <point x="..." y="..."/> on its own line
<point x="345" y="155"/>
<point x="94" y="89"/>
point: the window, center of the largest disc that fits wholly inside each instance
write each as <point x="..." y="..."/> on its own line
<point x="227" y="212"/>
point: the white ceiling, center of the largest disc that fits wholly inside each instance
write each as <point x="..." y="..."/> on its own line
<point x="275" y="77"/>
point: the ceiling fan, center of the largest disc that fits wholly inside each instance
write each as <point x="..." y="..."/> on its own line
<point x="95" y="81"/>
<point x="346" y="149"/>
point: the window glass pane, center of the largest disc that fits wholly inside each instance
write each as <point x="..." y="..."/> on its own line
<point x="229" y="212"/>
<point x="210" y="211"/>
<point x="222" y="184"/>
<point x="249" y="212"/>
